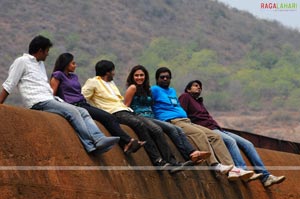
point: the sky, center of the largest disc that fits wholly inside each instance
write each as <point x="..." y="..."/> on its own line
<point x="287" y="17"/>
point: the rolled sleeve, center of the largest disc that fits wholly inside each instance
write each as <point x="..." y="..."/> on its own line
<point x="88" y="89"/>
<point x="15" y="73"/>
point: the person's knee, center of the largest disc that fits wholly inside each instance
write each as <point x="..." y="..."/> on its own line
<point x="216" y="136"/>
<point x="229" y="141"/>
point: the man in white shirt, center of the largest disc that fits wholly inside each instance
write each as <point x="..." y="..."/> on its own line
<point x="29" y="74"/>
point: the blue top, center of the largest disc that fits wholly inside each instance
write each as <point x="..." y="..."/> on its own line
<point x="142" y="106"/>
<point x="69" y="88"/>
<point x="166" y="105"/>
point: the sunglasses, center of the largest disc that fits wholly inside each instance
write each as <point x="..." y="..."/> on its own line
<point x="165" y="76"/>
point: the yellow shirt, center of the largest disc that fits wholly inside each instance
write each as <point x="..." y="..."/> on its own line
<point x="104" y="95"/>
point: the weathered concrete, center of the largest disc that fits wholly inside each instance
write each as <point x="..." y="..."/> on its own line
<point x="45" y="141"/>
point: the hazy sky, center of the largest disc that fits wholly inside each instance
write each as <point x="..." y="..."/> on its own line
<point x="288" y="17"/>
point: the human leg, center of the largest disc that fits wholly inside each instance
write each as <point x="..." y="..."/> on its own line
<point x="217" y="144"/>
<point x="127" y="118"/>
<point x="199" y="138"/>
<point x="88" y="132"/>
<point x="178" y="138"/>
<point x="233" y="149"/>
<point x="109" y="121"/>
<point x="248" y="148"/>
<point x="157" y="135"/>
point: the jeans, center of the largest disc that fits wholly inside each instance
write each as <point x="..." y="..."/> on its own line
<point x="156" y="145"/>
<point x="109" y="121"/>
<point x="233" y="143"/>
<point x="178" y="138"/>
<point x="84" y="125"/>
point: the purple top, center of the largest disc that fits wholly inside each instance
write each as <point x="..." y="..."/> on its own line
<point x="197" y="112"/>
<point x="69" y="88"/>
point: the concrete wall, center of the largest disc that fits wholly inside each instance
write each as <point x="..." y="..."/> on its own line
<point x="42" y="157"/>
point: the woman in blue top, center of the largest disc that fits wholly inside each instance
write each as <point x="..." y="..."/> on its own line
<point x="65" y="85"/>
<point x="138" y="97"/>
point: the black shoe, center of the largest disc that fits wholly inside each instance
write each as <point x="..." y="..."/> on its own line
<point x="180" y="166"/>
<point x="176" y="167"/>
<point x="188" y="163"/>
<point x="162" y="164"/>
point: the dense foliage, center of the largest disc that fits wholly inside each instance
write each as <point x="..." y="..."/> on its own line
<point x="259" y="80"/>
<point x="243" y="62"/>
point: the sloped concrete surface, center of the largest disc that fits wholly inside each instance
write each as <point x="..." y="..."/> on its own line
<point x="42" y="157"/>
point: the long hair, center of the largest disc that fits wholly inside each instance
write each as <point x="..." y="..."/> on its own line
<point x="63" y="61"/>
<point x="144" y="89"/>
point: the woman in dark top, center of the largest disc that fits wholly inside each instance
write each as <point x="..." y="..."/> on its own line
<point x="65" y="85"/>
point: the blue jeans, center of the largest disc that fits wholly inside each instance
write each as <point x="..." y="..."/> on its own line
<point x="84" y="125"/>
<point x="178" y="138"/>
<point x="233" y="143"/>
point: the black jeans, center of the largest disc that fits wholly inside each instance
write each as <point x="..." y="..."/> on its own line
<point x="156" y="146"/>
<point x="108" y="120"/>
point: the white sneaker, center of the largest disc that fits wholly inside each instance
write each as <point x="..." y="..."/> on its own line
<point x="273" y="180"/>
<point x="241" y="173"/>
<point x="255" y="176"/>
<point x="223" y="169"/>
<point x="233" y="176"/>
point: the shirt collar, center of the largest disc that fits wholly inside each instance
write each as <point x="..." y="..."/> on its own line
<point x="31" y="57"/>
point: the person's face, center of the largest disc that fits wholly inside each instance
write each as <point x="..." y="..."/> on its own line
<point x="71" y="67"/>
<point x="195" y="89"/>
<point x="42" y="54"/>
<point x="139" y="77"/>
<point x="164" y="80"/>
<point x="110" y="75"/>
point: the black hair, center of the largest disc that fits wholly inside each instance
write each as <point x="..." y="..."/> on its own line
<point x="189" y="85"/>
<point x="63" y="61"/>
<point x="39" y="42"/>
<point x="104" y="66"/>
<point x="162" y="70"/>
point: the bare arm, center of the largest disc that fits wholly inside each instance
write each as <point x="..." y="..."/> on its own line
<point x="129" y="94"/>
<point x="54" y="83"/>
<point x="3" y="95"/>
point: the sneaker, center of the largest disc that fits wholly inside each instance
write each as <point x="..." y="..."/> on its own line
<point x="180" y="166"/>
<point x="255" y="176"/>
<point x="232" y="176"/>
<point x="240" y="173"/>
<point x="273" y="180"/>
<point x="223" y="169"/>
<point x="162" y="164"/>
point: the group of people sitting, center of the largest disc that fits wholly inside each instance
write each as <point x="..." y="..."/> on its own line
<point x="151" y="111"/>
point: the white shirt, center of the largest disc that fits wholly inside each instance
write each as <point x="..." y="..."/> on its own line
<point x="31" y="78"/>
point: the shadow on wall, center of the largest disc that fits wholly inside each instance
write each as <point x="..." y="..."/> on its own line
<point x="42" y="157"/>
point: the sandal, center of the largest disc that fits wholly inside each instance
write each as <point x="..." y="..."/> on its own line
<point x="199" y="156"/>
<point x="134" y="146"/>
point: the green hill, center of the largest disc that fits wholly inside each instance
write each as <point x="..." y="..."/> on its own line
<point x="245" y="64"/>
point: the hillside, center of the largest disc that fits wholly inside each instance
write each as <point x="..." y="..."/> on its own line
<point x="248" y="66"/>
<point x="45" y="159"/>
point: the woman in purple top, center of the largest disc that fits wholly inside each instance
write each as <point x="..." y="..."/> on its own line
<point x="65" y="85"/>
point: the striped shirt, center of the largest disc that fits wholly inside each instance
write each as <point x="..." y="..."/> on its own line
<point x="30" y="77"/>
